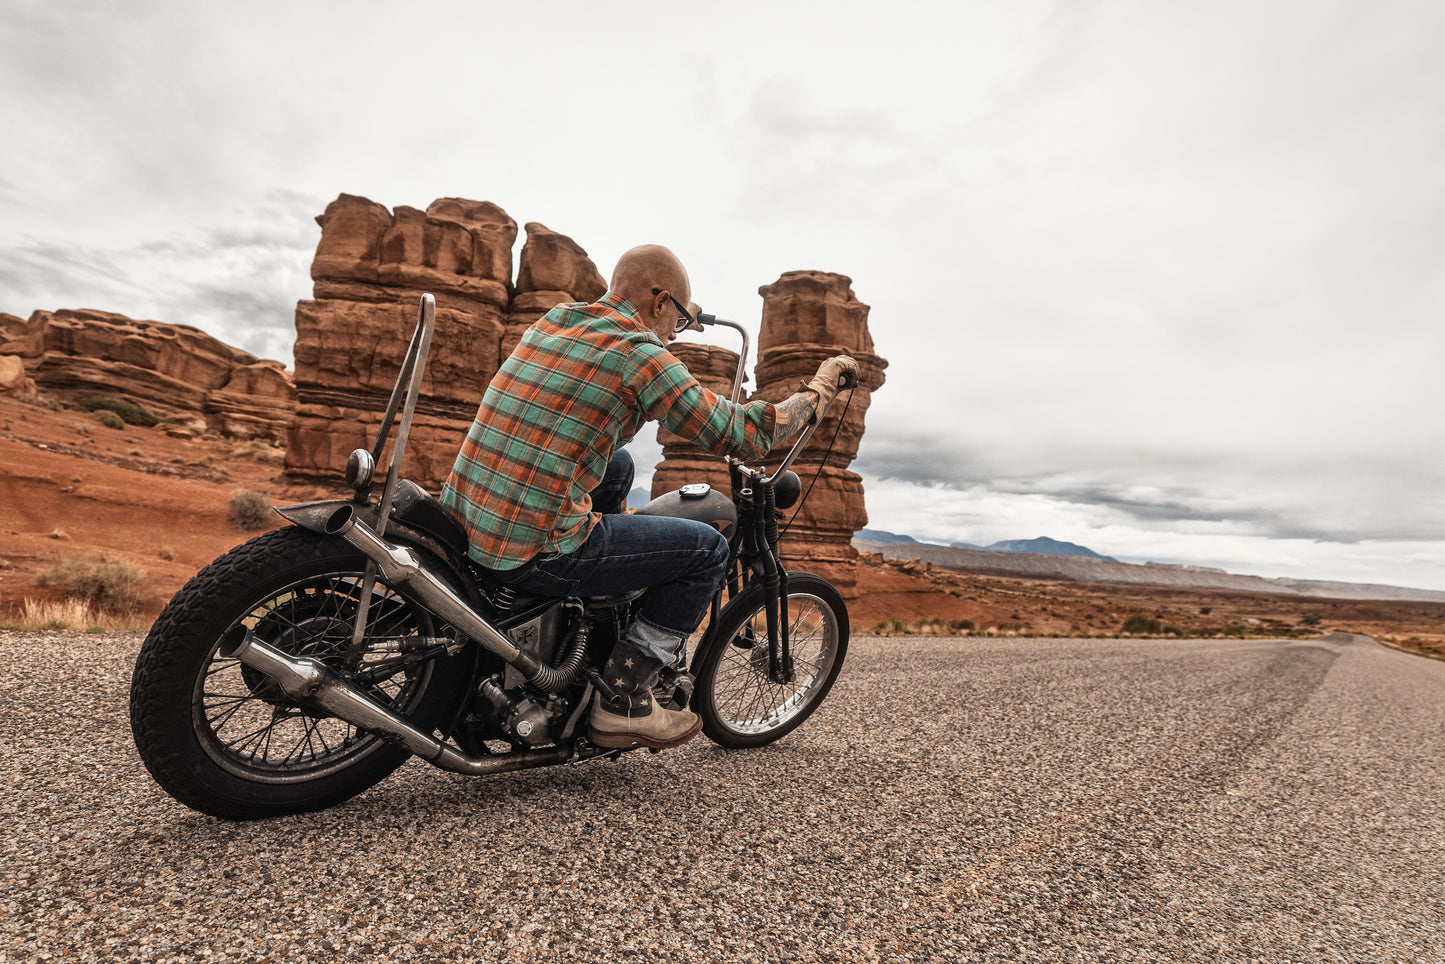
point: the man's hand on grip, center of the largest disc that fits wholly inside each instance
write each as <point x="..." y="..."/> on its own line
<point x="825" y="383"/>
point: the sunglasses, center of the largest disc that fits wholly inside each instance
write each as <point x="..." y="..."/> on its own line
<point x="687" y="320"/>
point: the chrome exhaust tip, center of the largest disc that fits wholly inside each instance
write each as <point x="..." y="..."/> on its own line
<point x="307" y="680"/>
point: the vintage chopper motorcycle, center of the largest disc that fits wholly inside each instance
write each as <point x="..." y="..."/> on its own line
<point x="304" y="666"/>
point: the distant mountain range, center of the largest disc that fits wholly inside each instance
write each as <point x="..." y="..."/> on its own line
<point x="1043" y="545"/>
<point x="1050" y="559"/>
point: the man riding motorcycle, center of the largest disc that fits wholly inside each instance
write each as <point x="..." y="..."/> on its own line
<point x="530" y="478"/>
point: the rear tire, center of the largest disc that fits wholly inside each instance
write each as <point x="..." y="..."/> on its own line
<point x="221" y="737"/>
<point x="739" y="704"/>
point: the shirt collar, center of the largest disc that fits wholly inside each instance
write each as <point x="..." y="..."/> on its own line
<point x="620" y="304"/>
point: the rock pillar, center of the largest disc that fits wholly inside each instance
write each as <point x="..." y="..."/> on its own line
<point x="809" y="316"/>
<point x="683" y="462"/>
<point x="554" y="269"/>
<point x="370" y="269"/>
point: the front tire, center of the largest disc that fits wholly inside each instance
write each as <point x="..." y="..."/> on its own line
<point x="222" y="738"/>
<point x="739" y="704"/>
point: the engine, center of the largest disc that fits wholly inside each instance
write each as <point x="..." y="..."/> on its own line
<point x="506" y="708"/>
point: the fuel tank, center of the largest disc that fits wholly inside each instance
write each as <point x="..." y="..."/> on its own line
<point x="701" y="503"/>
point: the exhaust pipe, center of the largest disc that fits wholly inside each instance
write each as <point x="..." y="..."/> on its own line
<point x="306" y="680"/>
<point x="401" y="568"/>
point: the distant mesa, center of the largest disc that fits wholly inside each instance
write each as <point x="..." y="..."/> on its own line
<point x="1043" y="545"/>
<point x="1089" y="566"/>
<point x="173" y="372"/>
<point x="882" y="535"/>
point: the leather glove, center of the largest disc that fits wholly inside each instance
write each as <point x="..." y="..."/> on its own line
<point x="825" y="383"/>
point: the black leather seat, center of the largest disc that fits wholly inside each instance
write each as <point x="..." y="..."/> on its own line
<point x="414" y="506"/>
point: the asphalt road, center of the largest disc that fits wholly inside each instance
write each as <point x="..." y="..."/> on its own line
<point x="955" y="800"/>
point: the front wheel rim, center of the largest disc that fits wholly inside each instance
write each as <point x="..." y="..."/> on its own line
<point x="747" y="701"/>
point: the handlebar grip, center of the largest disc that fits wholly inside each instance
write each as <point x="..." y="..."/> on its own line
<point x="847" y="380"/>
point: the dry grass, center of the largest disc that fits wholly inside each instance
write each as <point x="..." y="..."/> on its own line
<point x="38" y="615"/>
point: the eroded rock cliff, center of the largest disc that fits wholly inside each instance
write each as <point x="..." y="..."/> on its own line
<point x="370" y="269"/>
<point x="175" y="372"/>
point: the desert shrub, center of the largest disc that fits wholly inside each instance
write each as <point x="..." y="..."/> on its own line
<point x="105" y="584"/>
<point x="1310" y="620"/>
<point x="261" y="450"/>
<point x="128" y="413"/>
<point x="1143" y="624"/>
<point x="962" y="626"/>
<point x="166" y="552"/>
<point x="109" y="419"/>
<point x="889" y="627"/>
<point x="250" y="511"/>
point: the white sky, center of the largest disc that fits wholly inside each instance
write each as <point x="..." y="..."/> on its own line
<point x="1163" y="278"/>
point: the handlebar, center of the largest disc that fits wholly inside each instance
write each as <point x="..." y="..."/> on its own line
<point x="699" y="320"/>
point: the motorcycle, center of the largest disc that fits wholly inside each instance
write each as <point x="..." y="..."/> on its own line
<point x="302" y="667"/>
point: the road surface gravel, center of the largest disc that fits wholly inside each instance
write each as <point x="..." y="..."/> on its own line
<point x="954" y="800"/>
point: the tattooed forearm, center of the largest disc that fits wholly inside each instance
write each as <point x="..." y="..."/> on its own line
<point x="793" y="415"/>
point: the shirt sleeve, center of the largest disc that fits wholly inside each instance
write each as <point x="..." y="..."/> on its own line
<point x="668" y="393"/>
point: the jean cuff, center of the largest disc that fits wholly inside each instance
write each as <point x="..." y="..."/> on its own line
<point x="658" y="643"/>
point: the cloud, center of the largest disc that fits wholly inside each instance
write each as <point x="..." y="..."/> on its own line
<point x="1138" y="268"/>
<point x="240" y="280"/>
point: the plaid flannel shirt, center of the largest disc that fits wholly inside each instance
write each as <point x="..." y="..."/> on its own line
<point x="580" y="384"/>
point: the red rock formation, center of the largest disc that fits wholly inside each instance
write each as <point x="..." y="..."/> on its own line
<point x="13" y="380"/>
<point x="683" y="462"/>
<point x="808" y="316"/>
<point x="173" y="371"/>
<point x="370" y="269"/>
<point x="372" y="264"/>
<point x="554" y="269"/>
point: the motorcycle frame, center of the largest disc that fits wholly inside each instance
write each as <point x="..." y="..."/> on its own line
<point x="756" y="555"/>
<point x="408" y="385"/>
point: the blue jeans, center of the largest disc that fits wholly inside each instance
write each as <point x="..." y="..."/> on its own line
<point x="678" y="561"/>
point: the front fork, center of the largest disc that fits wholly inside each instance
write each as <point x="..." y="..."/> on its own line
<point x="766" y="568"/>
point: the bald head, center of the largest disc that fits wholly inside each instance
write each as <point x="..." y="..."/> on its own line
<point x="646" y="267"/>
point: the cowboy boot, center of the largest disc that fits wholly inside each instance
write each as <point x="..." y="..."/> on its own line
<point x="632" y="716"/>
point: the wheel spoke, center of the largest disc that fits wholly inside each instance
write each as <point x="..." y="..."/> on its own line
<point x="247" y="722"/>
<point x="745" y="697"/>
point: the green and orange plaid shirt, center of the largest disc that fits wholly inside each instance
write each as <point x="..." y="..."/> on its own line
<point x="580" y="384"/>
